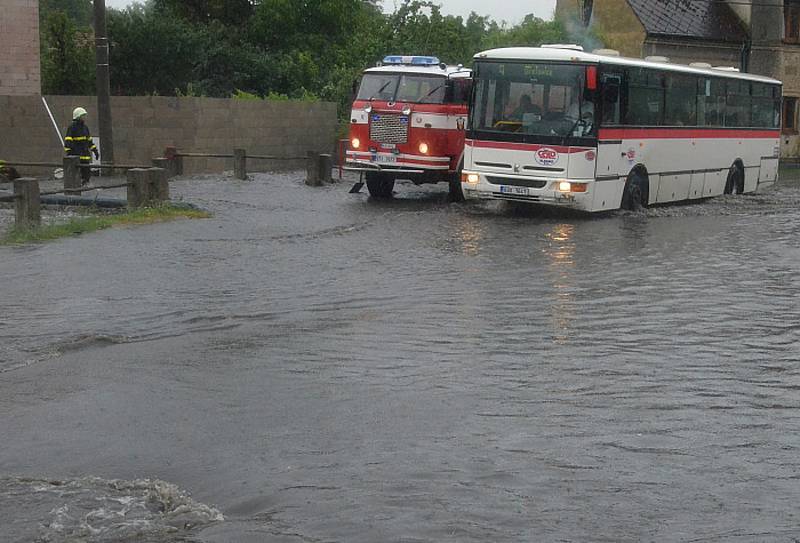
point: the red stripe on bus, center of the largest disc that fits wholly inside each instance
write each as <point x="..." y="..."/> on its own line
<point x="524" y="146"/>
<point x="685" y="133"/>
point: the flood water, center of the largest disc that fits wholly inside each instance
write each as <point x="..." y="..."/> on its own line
<point x="315" y="366"/>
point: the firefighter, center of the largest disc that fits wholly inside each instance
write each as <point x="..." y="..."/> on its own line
<point x="78" y="142"/>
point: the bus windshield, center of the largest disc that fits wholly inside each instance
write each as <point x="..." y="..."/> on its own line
<point x="407" y="88"/>
<point x="532" y="99"/>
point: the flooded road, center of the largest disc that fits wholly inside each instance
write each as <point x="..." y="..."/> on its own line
<point x="315" y="366"/>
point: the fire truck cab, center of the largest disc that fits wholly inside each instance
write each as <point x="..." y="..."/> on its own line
<point x="408" y="122"/>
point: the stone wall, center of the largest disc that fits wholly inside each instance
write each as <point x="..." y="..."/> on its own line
<point x="20" y="71"/>
<point x="144" y="125"/>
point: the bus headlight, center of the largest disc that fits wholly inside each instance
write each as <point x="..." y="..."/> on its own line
<point x="423" y="148"/>
<point x="356" y="143"/>
<point x="566" y="186"/>
<point x="470" y="178"/>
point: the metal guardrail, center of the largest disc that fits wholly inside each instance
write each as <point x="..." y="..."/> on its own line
<point x="144" y="184"/>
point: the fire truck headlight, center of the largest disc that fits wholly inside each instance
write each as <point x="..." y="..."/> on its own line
<point x="470" y="178"/>
<point x="407" y="111"/>
<point x="564" y="186"/>
<point x="423" y="148"/>
<point x="368" y="109"/>
<point x="356" y="143"/>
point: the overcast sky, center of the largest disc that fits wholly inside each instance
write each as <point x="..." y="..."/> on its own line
<point x="501" y="10"/>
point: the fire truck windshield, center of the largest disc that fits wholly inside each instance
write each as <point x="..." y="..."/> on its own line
<point x="532" y="99"/>
<point x="411" y="88"/>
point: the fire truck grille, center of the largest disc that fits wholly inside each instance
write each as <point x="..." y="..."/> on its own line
<point x="388" y="128"/>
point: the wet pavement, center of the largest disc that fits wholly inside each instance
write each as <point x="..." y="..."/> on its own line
<point x="315" y="366"/>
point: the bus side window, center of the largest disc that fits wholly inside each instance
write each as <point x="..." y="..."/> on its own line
<point x="611" y="99"/>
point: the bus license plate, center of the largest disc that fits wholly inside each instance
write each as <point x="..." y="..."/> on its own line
<point x="384" y="158"/>
<point x="519" y="191"/>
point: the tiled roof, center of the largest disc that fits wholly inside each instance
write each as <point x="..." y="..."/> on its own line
<point x="700" y="19"/>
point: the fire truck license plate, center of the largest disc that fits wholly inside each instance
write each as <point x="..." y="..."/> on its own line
<point x="521" y="191"/>
<point x="384" y="158"/>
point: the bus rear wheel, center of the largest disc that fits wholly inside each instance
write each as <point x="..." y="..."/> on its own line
<point x="379" y="185"/>
<point x="735" y="182"/>
<point x="635" y="195"/>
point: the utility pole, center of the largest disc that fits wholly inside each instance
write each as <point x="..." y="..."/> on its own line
<point x="103" y="83"/>
<point x="586" y="12"/>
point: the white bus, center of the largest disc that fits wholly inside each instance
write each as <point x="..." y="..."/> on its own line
<point x="557" y="126"/>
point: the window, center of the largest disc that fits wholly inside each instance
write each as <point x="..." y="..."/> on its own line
<point x="520" y="100"/>
<point x="737" y="113"/>
<point x="419" y="89"/>
<point x="711" y="102"/>
<point x="461" y="90"/>
<point x="791" y="15"/>
<point x="681" y="106"/>
<point x="645" y="97"/>
<point x="789" y="115"/>
<point x="610" y="101"/>
<point x="766" y="106"/>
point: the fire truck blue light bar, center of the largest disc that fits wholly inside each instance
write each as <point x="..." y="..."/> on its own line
<point x="413" y="60"/>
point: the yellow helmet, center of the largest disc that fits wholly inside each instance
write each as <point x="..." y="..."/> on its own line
<point x="78" y="113"/>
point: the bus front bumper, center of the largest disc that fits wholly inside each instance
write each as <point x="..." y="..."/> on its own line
<point x="550" y="194"/>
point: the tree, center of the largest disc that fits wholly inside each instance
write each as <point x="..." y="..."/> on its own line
<point x="227" y="12"/>
<point x="67" y="57"/>
<point x="78" y="11"/>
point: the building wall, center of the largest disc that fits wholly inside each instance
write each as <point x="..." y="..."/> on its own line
<point x="145" y="125"/>
<point x="686" y="51"/>
<point x="772" y="57"/>
<point x="20" y="66"/>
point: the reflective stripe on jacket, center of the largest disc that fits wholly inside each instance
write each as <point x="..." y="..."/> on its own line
<point x="78" y="141"/>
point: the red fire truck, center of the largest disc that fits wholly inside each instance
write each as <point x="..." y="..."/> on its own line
<point x="408" y="122"/>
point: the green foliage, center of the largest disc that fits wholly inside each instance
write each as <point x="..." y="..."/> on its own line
<point x="67" y="57"/>
<point x="80" y="12"/>
<point x="286" y="49"/>
<point x="242" y="95"/>
<point x="94" y="220"/>
<point x="228" y="12"/>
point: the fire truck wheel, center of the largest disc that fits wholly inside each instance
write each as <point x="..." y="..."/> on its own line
<point x="379" y="186"/>
<point x="456" y="194"/>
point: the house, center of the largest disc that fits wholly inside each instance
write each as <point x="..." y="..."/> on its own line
<point x="757" y="36"/>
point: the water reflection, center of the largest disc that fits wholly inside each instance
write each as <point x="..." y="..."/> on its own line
<point x="560" y="251"/>
<point x="470" y="232"/>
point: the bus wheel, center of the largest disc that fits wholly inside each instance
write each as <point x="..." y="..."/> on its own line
<point x="735" y="182"/>
<point x="456" y="194"/>
<point x="635" y="195"/>
<point x="379" y="185"/>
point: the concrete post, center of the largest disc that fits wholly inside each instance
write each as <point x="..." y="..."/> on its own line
<point x="138" y="187"/>
<point x="27" y="203"/>
<point x="325" y="165"/>
<point x="159" y="184"/>
<point x="312" y="170"/>
<point x="166" y="164"/>
<point x="171" y="153"/>
<point x="239" y="164"/>
<point x="72" y="175"/>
